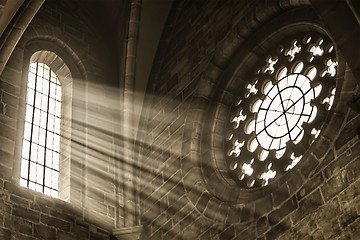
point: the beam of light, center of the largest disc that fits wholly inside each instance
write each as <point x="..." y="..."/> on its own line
<point x="97" y="142"/>
<point x="98" y="163"/>
<point x="104" y="181"/>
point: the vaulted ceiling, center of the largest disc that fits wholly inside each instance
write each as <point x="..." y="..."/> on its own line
<point x="110" y="18"/>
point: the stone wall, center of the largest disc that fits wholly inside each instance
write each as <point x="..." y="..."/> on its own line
<point x="90" y="206"/>
<point x="181" y="194"/>
<point x="29" y="215"/>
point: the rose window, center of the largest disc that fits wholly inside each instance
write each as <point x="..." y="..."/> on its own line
<point x="280" y="112"/>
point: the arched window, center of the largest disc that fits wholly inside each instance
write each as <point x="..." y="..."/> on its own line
<point x="41" y="141"/>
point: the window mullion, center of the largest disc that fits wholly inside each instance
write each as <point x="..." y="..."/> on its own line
<point x="46" y="129"/>
<point x="32" y="124"/>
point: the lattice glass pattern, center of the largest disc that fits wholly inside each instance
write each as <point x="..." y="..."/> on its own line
<point x="280" y="111"/>
<point x="41" y="142"/>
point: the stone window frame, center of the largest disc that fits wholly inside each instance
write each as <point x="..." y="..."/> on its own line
<point x="203" y="155"/>
<point x="236" y="80"/>
<point x="287" y="156"/>
<point x="62" y="60"/>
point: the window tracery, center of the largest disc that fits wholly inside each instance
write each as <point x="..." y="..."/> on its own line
<point x="282" y="110"/>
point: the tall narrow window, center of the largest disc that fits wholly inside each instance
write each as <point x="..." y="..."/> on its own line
<point x="41" y="141"/>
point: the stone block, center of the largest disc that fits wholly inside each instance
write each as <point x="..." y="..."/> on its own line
<point x="295" y="182"/>
<point x="19" y="201"/>
<point x="10" y="99"/>
<point x="327" y="160"/>
<point x="111" y="211"/>
<point x="355" y="228"/>
<point x="80" y="231"/>
<point x="261" y="225"/>
<point x="303" y="229"/>
<point x="8" y="132"/>
<point x="170" y="234"/>
<point x="58" y="213"/>
<point x="95" y="194"/>
<point x="222" y="212"/>
<point x="8" y="121"/>
<point x="4" y="208"/>
<point x="152" y="213"/>
<point x="55" y="222"/>
<point x="348" y="217"/>
<point x="247" y="233"/>
<point x="308" y="168"/>
<point x="246" y="214"/>
<point x="278" y="214"/>
<point x="349" y="194"/>
<point x="307" y="206"/>
<point x="41" y="205"/>
<point x="8" y="146"/>
<point x="189" y="219"/>
<point x="18" y="225"/>
<point x="280" y="195"/>
<point x="205" y="236"/>
<point x="26" y="214"/>
<point x="279" y="229"/>
<point x="9" y="88"/>
<point x="310" y="185"/>
<point x="334" y="167"/>
<point x="11" y="76"/>
<point x="67" y="236"/>
<point x="352" y="172"/>
<point x="330" y="229"/>
<point x="330" y="210"/>
<point x="229" y="233"/>
<point x="44" y="232"/>
<point x="203" y="201"/>
<point x="333" y="186"/>
<point x="2" y="108"/>
<point x="98" y="236"/>
<point x="233" y="215"/>
<point x="5" y="234"/>
<point x="264" y="205"/>
<point x="321" y="147"/>
<point x="212" y="208"/>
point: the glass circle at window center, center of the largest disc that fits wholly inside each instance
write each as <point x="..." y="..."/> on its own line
<point x="281" y="111"/>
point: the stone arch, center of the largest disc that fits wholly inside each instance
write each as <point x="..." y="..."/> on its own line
<point x="15" y="28"/>
<point x="68" y="67"/>
<point x="58" y="54"/>
<point x="203" y="141"/>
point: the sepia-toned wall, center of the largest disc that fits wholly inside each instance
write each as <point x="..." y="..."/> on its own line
<point x="183" y="194"/>
<point x="206" y="51"/>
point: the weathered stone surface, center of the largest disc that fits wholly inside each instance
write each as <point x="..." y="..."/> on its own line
<point x="26" y="213"/>
<point x="19" y="225"/>
<point x="55" y="222"/>
<point x="279" y="229"/>
<point x="44" y="232"/>
<point x="285" y="209"/>
<point x="307" y="206"/>
<point x="5" y="234"/>
<point x="194" y="66"/>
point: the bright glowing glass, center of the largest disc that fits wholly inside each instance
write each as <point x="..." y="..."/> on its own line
<point x="41" y="144"/>
<point x="284" y="115"/>
<point x="280" y="102"/>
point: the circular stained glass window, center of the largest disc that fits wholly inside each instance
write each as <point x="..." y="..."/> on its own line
<point x="280" y="112"/>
